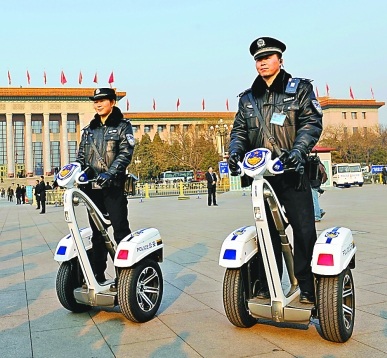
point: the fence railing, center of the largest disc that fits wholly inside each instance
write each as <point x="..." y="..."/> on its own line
<point x="150" y="190"/>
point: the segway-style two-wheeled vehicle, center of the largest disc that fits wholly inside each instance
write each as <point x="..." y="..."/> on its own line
<point x="333" y="259"/>
<point x="136" y="260"/>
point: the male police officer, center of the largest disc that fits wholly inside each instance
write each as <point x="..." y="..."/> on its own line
<point x="111" y="153"/>
<point x="294" y="117"/>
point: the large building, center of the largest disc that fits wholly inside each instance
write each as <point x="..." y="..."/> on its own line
<point x="40" y="127"/>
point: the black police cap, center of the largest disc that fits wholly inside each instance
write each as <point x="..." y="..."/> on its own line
<point x="103" y="93"/>
<point x="265" y="46"/>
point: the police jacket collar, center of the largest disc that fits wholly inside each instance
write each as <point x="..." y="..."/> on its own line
<point x="113" y="119"/>
<point x="259" y="86"/>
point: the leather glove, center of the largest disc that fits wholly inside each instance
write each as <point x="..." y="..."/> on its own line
<point x="104" y="179"/>
<point x="295" y="158"/>
<point x="233" y="164"/>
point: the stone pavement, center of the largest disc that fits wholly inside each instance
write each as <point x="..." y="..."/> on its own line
<point x="191" y="321"/>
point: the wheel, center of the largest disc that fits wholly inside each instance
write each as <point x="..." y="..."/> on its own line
<point x="140" y="289"/>
<point x="235" y="299"/>
<point x="336" y="306"/>
<point x="334" y="184"/>
<point x="360" y="185"/>
<point x="68" y="278"/>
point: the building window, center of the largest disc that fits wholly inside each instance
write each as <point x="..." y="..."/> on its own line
<point x="185" y="127"/>
<point x="54" y="126"/>
<point x="135" y="129"/>
<point x="345" y="130"/>
<point x="37" y="152"/>
<point x="355" y="130"/>
<point x="172" y="128"/>
<point x="344" y="115"/>
<point x="160" y="128"/>
<point x="3" y="142"/>
<point x="55" y="154"/>
<point x="147" y="129"/>
<point x="72" y="151"/>
<point x="36" y="127"/>
<point x="18" y="128"/>
<point x="363" y="115"/>
<point x="71" y="126"/>
<point x="354" y="115"/>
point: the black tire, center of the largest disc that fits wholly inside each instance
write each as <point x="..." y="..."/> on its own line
<point x="360" y="185"/>
<point x="336" y="306"/>
<point x="140" y="290"/>
<point x="68" y="278"/>
<point x="235" y="299"/>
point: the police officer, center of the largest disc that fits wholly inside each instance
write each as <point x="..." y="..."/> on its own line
<point x="108" y="158"/>
<point x="293" y="115"/>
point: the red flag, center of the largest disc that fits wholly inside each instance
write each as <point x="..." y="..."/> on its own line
<point x="62" y="78"/>
<point x="44" y="77"/>
<point x="351" y="93"/>
<point x="9" y="78"/>
<point x="80" y="78"/>
<point x="317" y="92"/>
<point x="111" y="79"/>
<point x="203" y="105"/>
<point x="127" y="105"/>
<point x="154" y="104"/>
<point x="177" y="104"/>
<point x="95" y="80"/>
<point x="227" y="105"/>
<point x="372" y="93"/>
<point x="28" y="78"/>
<point x="327" y="88"/>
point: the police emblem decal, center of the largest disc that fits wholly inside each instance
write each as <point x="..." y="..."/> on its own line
<point x="130" y="139"/>
<point x="261" y="43"/>
<point x="317" y="106"/>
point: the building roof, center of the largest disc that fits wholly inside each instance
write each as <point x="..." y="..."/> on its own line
<point x="327" y="102"/>
<point x="146" y="116"/>
<point x="49" y="94"/>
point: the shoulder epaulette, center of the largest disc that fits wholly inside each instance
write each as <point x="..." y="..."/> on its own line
<point x="245" y="91"/>
<point x="84" y="128"/>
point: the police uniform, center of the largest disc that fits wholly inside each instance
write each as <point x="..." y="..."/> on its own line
<point x="115" y="142"/>
<point x="294" y="117"/>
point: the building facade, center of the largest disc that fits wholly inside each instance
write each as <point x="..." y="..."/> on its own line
<point x="40" y="128"/>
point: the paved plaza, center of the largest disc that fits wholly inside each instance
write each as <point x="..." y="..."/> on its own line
<point x="191" y="321"/>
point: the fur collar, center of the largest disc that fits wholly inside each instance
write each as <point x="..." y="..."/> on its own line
<point x="113" y="120"/>
<point x="259" y="86"/>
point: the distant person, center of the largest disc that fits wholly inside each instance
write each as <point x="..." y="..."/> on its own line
<point x="48" y="186"/>
<point x="23" y="194"/>
<point x="10" y="194"/>
<point x="211" y="186"/>
<point x="18" y="194"/>
<point x="42" y="195"/>
<point x="317" y="191"/>
<point x="37" y="195"/>
<point x="384" y="175"/>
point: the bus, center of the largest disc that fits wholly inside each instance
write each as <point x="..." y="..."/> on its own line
<point x="173" y="177"/>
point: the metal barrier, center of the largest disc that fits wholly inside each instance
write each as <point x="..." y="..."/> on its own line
<point x="55" y="197"/>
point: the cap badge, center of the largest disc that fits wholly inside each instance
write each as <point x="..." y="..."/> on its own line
<point x="261" y="43"/>
<point x="97" y="91"/>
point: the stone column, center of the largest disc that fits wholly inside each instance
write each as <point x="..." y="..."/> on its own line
<point x="64" y="148"/>
<point x="10" y="152"/>
<point x="28" y="148"/>
<point x="46" y="144"/>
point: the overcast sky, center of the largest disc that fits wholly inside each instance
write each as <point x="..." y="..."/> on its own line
<point x="193" y="50"/>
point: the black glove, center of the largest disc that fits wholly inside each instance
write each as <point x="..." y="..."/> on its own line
<point x="233" y="164"/>
<point x="295" y="159"/>
<point x="104" y="179"/>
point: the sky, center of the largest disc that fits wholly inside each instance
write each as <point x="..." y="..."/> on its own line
<point x="193" y="50"/>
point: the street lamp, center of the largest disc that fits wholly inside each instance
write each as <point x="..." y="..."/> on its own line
<point x="221" y="130"/>
<point x="137" y="162"/>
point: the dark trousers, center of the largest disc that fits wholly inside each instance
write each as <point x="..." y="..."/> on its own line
<point x="112" y="202"/>
<point x="211" y="194"/>
<point x="43" y="203"/>
<point x="300" y="213"/>
<point x="37" y="201"/>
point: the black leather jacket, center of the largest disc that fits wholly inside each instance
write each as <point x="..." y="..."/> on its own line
<point x="301" y="129"/>
<point x="114" y="141"/>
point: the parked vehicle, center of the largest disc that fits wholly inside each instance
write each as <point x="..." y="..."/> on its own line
<point x="341" y="175"/>
<point x="356" y="174"/>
